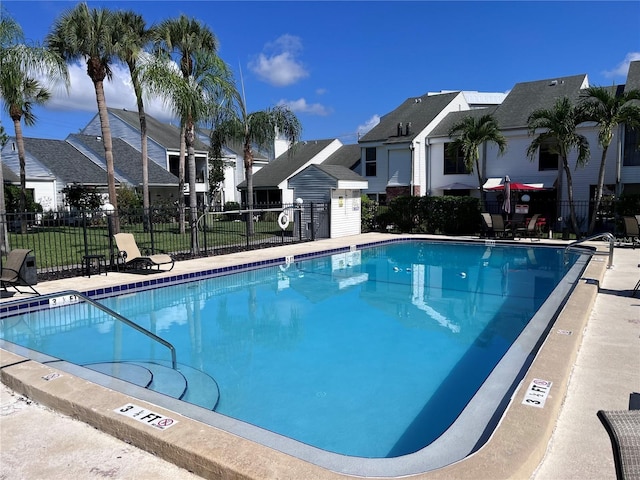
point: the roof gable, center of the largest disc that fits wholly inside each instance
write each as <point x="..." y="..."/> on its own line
<point x="278" y="170"/>
<point x="633" y="76"/>
<point x="126" y="161"/>
<point x="418" y="112"/>
<point x="346" y="156"/>
<point x="164" y="134"/>
<point x="526" y="97"/>
<point x="443" y="128"/>
<point x="65" y="162"/>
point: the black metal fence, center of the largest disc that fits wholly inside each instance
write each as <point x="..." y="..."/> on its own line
<point x="61" y="240"/>
<point x="557" y="216"/>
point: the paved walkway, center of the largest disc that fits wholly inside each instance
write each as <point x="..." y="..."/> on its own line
<point x="606" y="372"/>
<point x="38" y="443"/>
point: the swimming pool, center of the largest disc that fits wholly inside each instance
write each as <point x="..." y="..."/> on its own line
<point x="295" y="334"/>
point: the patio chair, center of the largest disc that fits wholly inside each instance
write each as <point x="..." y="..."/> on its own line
<point x="129" y="253"/>
<point x="631" y="230"/>
<point x="623" y="427"/>
<point x="10" y="275"/>
<point x="487" y="225"/>
<point x="531" y="230"/>
<point x="499" y="227"/>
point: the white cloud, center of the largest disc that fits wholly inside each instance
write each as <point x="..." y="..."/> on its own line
<point x="622" y="68"/>
<point x="118" y="93"/>
<point x="368" y="125"/>
<point x="301" y="106"/>
<point x="278" y="64"/>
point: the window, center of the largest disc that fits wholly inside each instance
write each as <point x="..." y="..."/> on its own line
<point x="370" y="162"/>
<point x="453" y="162"/>
<point x="631" y="148"/>
<point x="547" y="159"/>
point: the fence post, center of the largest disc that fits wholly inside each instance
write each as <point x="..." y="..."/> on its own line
<point x="150" y="222"/>
<point x="84" y="232"/>
<point x="313" y="224"/>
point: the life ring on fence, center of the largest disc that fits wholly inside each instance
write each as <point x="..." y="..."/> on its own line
<point x="283" y="220"/>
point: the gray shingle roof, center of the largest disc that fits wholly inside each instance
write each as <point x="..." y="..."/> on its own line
<point x="347" y="156"/>
<point x="126" y="161"/>
<point x="162" y="133"/>
<point x="65" y="161"/>
<point x="526" y="97"/>
<point x="277" y="171"/>
<point x="419" y="111"/>
<point x="633" y="76"/>
<point x="339" y="172"/>
<point x="442" y="129"/>
<point x="8" y="176"/>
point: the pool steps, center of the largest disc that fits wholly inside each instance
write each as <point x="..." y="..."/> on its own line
<point x="165" y="380"/>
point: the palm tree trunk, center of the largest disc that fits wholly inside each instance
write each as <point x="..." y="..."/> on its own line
<point x="193" y="198"/>
<point x="572" y="208"/>
<point x="23" y="175"/>
<point x="596" y="205"/>
<point x="248" y="173"/>
<point x="108" y="150"/>
<point x="4" y="233"/>
<point x="183" y="149"/>
<point x="481" y="186"/>
<point x="145" y="158"/>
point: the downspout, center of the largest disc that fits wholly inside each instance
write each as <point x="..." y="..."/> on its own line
<point x="411" y="180"/>
<point x="427" y="158"/>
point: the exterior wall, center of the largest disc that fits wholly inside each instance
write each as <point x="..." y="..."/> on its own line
<point x="287" y="193"/>
<point x="46" y="190"/>
<point x="46" y="194"/>
<point x="313" y="187"/>
<point x="393" y="192"/>
<point x="405" y="164"/>
<point x="520" y="168"/>
<point x="345" y="213"/>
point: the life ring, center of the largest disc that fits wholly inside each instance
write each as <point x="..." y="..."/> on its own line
<point x="283" y="220"/>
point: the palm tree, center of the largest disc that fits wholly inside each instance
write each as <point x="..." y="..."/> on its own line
<point x="132" y="38"/>
<point x="185" y="37"/>
<point x="194" y="100"/>
<point x="257" y="128"/>
<point x="20" y="90"/>
<point x="88" y="34"/>
<point x="559" y="124"/>
<point x="471" y="133"/>
<point x="608" y="110"/>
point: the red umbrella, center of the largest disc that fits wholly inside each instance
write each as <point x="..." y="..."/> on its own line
<point x="516" y="186"/>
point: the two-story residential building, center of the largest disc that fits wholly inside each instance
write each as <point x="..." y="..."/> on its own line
<point x="163" y="145"/>
<point x="395" y="153"/>
<point x="401" y="159"/>
<point x="51" y="166"/>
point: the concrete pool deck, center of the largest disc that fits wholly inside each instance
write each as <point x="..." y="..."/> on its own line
<point x="596" y="367"/>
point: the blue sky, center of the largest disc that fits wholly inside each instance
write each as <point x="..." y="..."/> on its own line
<point x="340" y="65"/>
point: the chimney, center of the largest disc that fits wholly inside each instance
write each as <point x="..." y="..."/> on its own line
<point x="408" y="130"/>
<point x="399" y="129"/>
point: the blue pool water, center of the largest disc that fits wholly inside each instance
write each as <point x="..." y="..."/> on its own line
<point x="368" y="353"/>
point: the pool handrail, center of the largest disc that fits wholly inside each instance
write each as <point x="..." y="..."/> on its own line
<point x="605" y="236"/>
<point x="116" y="315"/>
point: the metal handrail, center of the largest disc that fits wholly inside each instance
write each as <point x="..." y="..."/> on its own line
<point x="606" y="236"/>
<point x="117" y="316"/>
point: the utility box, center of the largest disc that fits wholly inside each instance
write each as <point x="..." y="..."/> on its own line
<point x="28" y="271"/>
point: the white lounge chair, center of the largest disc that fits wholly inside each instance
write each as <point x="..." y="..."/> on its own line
<point x="129" y="253"/>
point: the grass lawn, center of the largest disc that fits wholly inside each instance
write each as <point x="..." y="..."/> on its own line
<point x="66" y="245"/>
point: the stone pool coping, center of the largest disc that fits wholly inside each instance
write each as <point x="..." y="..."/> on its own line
<point x="514" y="450"/>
